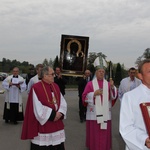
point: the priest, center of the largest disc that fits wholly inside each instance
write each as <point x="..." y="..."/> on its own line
<point x="46" y="108"/>
<point x="98" y="96"/>
<point x="14" y="86"/>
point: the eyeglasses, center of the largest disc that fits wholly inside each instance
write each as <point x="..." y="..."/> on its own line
<point x="52" y="74"/>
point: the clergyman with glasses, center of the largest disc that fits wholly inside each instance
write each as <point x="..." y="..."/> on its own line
<point x="46" y="108"/>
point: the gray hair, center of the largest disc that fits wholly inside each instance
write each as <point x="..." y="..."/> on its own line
<point x="140" y="67"/>
<point x="44" y="71"/>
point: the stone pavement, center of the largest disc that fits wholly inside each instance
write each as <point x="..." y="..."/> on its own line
<point x="75" y="131"/>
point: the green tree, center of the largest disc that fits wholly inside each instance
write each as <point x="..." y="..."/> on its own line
<point x="92" y="56"/>
<point x="146" y="55"/>
<point x="7" y="65"/>
<point x="45" y="62"/>
<point x="51" y="62"/>
<point x="118" y="75"/>
<point x="4" y="61"/>
<point x="25" y="63"/>
<point x="90" y="60"/>
<point x="56" y="62"/>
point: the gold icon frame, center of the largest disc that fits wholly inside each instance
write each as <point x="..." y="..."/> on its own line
<point x="73" y="54"/>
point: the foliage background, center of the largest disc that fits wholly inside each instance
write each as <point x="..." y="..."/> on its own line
<point x="118" y="70"/>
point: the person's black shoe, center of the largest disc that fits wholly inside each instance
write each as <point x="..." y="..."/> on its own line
<point x="81" y="120"/>
<point x="6" y="121"/>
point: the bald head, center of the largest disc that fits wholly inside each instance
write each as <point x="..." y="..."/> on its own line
<point x="87" y="73"/>
<point x="15" y="71"/>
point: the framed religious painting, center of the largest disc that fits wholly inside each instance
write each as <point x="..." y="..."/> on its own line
<point x="73" y="54"/>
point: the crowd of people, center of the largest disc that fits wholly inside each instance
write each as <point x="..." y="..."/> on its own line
<point x="46" y="106"/>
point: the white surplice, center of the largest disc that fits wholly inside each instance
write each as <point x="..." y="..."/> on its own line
<point x="13" y="93"/>
<point x="42" y="114"/>
<point x="32" y="81"/>
<point x="132" y="126"/>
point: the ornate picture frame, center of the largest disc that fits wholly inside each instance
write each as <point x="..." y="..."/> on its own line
<point x="73" y="54"/>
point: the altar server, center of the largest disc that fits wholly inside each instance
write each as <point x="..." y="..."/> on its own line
<point x="132" y="126"/>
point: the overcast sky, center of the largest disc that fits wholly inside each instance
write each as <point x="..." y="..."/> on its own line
<point x="30" y="30"/>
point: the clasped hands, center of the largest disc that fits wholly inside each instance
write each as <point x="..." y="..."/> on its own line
<point x="147" y="142"/>
<point x="58" y="116"/>
<point x="100" y="91"/>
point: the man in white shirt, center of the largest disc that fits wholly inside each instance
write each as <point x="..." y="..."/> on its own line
<point x="128" y="83"/>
